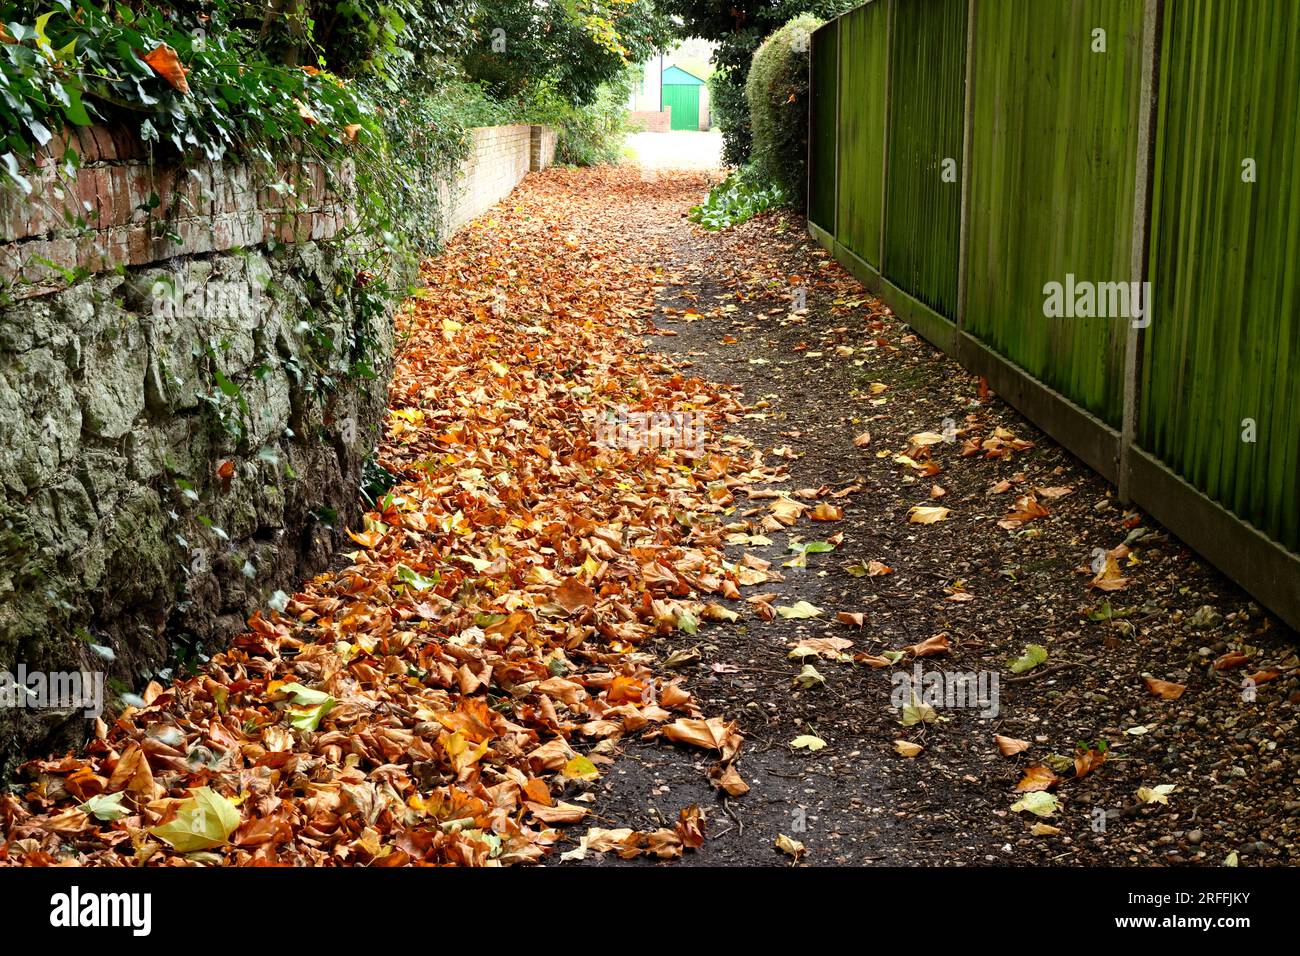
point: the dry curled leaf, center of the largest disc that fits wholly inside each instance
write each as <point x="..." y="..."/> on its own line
<point x="1038" y="777"/>
<point x="938" y="644"/>
<point x="163" y="60"/>
<point x="927" y="514"/>
<point x="1165" y="690"/>
<point x="790" y="847"/>
<point x="1010" y="746"/>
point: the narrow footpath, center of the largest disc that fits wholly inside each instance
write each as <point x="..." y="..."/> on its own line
<point x="696" y="555"/>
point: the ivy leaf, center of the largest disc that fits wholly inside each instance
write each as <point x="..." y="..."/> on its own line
<point x="40" y="132"/>
<point x="11" y="167"/>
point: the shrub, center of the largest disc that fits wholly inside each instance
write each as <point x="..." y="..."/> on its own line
<point x="588" y="134"/>
<point x="425" y="137"/>
<point x="730" y="114"/>
<point x="777" y="94"/>
<point x="737" y="27"/>
<point x="374" y="81"/>
<point x="739" y="197"/>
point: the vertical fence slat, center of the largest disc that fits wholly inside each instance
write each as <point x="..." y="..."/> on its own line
<point x="823" y="91"/>
<point x="1220" y="363"/>
<point x="863" y="78"/>
<point x="968" y="129"/>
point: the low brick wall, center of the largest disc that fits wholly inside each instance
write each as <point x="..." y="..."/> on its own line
<point x="121" y="209"/>
<point x="500" y="157"/>
<point x="542" y="152"/>
<point x="652" y="122"/>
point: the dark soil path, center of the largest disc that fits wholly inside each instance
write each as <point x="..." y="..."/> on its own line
<point x="814" y="380"/>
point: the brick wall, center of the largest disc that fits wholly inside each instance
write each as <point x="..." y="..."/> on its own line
<point x="652" y="122"/>
<point x="542" y="153"/>
<point x="499" y="158"/>
<point x="102" y="218"/>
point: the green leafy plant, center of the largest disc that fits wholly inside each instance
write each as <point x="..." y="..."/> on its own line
<point x="739" y="197"/>
<point x="588" y="134"/>
<point x="184" y="83"/>
<point x="570" y="46"/>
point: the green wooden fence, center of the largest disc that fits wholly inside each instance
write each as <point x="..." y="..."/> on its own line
<point x="1098" y="145"/>
<point x="922" y="223"/>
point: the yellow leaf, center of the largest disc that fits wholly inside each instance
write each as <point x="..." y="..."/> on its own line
<point x="580" y="768"/>
<point x="906" y="748"/>
<point x="203" y="820"/>
<point x="927" y="514"/>
<point x="789" y="847"/>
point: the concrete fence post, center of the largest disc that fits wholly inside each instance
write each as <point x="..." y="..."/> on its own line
<point x="967" y="132"/>
<point x="1151" y="20"/>
<point x="884" y="140"/>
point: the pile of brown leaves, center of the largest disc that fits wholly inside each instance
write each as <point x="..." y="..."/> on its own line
<point x="450" y="695"/>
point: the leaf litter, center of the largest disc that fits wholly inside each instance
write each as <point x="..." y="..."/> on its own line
<point x="521" y="598"/>
<point x="482" y="652"/>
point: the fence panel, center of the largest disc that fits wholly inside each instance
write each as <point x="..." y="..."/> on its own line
<point x="1222" y="356"/>
<point x="1070" y="186"/>
<point x="1053" y="164"/>
<point x="862" y="127"/>
<point x="823" y="94"/>
<point x="922" y="187"/>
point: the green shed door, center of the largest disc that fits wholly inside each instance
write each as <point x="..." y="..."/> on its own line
<point x="685" y="103"/>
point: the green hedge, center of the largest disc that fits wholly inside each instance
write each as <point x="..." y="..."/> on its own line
<point x="587" y="134"/>
<point x="777" y="94"/>
<point x="730" y="113"/>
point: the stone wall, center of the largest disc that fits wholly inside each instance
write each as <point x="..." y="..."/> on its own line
<point x="186" y="405"/>
<point x="193" y="372"/>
